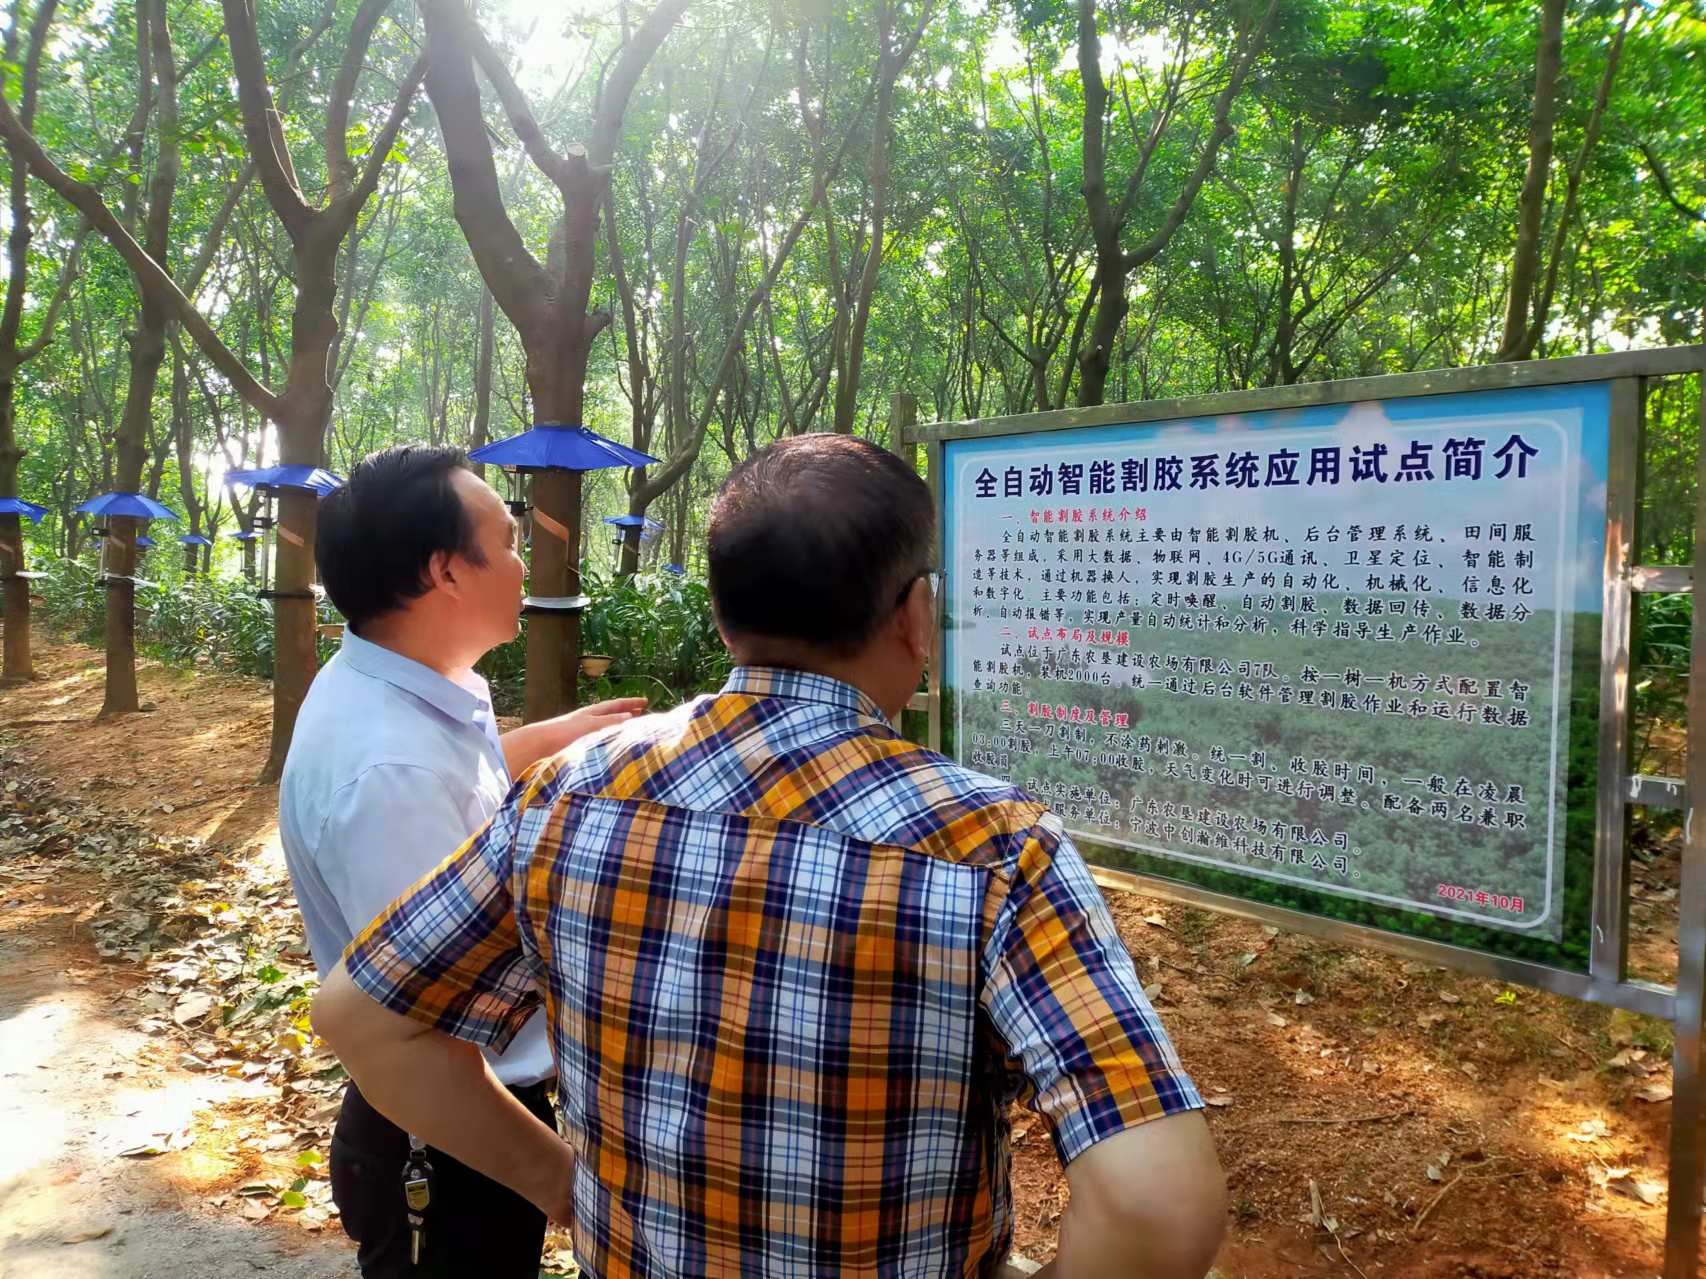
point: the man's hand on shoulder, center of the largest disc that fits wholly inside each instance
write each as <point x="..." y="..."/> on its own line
<point x="527" y="745"/>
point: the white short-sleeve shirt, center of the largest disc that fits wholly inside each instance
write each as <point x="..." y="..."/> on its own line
<point x="391" y="767"/>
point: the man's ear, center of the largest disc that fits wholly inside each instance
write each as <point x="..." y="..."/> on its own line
<point x="440" y="571"/>
<point x="915" y="620"/>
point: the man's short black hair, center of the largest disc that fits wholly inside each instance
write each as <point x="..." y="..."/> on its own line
<point x="376" y="535"/>
<point x="816" y="539"/>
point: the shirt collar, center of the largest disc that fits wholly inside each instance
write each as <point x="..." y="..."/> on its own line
<point x="463" y="704"/>
<point x="803" y="686"/>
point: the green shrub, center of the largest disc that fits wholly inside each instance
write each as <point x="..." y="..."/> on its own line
<point x="73" y="600"/>
<point x="185" y="621"/>
<point x="1664" y="626"/>
<point x="656" y="628"/>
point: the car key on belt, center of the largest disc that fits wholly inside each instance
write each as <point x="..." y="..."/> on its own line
<point x="417" y="1193"/>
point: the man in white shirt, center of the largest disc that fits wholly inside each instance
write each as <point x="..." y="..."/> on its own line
<point x="395" y="762"/>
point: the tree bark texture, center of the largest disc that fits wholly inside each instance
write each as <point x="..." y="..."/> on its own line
<point x="302" y="410"/>
<point x="547" y="303"/>
<point x="1114" y="263"/>
<point x="16" y="663"/>
<point x="1531" y="202"/>
<point x="147" y="352"/>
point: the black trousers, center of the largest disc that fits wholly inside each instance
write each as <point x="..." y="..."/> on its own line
<point x="474" y="1226"/>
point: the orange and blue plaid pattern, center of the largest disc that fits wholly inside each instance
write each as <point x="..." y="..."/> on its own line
<point x="796" y="968"/>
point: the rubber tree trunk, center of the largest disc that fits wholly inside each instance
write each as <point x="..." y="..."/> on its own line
<point x="481" y="433"/>
<point x="120" y="560"/>
<point x="147" y="354"/>
<point x="16" y="665"/>
<point x="629" y="563"/>
<point x="296" y="655"/>
<point x="307" y="408"/>
<point x="554" y="639"/>
<point x="556" y="374"/>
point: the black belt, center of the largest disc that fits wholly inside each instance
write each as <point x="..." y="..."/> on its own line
<point x="529" y="1093"/>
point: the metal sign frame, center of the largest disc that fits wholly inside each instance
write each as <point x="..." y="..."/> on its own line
<point x="1607" y="980"/>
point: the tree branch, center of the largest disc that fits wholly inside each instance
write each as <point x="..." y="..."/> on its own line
<point x="261" y="122"/>
<point x="613" y="100"/>
<point x="167" y="159"/>
<point x="351" y="204"/>
<point x="1658" y="167"/>
<point x="22" y="229"/>
<point x="62" y="291"/>
<point x="339" y="167"/>
<point x="216" y="229"/>
<point x="518" y="282"/>
<point x="32" y="63"/>
<point x="1205" y="163"/>
<point x="1525" y="258"/>
<point x="150" y="276"/>
<point x="1590" y="136"/>
<point x="521" y="119"/>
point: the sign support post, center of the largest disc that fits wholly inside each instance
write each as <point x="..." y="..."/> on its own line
<point x="1682" y="1220"/>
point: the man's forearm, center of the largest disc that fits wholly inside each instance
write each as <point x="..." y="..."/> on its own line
<point x="526" y="746"/>
<point x="440" y="1090"/>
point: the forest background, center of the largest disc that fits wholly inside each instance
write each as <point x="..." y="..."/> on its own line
<point x="380" y="225"/>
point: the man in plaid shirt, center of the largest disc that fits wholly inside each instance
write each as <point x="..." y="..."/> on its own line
<point x="796" y="968"/>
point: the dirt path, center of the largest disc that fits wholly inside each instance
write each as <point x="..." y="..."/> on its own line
<point x="88" y="1068"/>
<point x="72" y="1204"/>
<point x="1376" y="1117"/>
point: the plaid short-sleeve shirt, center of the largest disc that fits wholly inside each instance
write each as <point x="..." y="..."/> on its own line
<point x="796" y="970"/>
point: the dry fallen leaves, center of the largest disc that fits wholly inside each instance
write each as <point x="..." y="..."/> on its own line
<point x="87" y="1236"/>
<point x="1590" y="1130"/>
<point x="228" y="974"/>
<point x="1654" y="1092"/>
<point x="1317" y="1213"/>
<point x="1624" y="1182"/>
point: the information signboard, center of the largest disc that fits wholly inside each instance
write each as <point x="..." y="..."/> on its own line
<point x="1341" y="658"/>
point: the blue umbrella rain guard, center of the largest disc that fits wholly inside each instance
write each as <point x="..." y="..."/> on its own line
<point x="122" y="505"/>
<point x="652" y="527"/>
<point x="145" y="542"/>
<point x="194" y="545"/>
<point x="649" y="529"/>
<point x="17" y="506"/>
<point x="676" y="569"/>
<point x="559" y="448"/>
<point x="24" y="511"/>
<point x="138" y="506"/>
<point x="268" y="481"/>
<point x="554" y="450"/>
